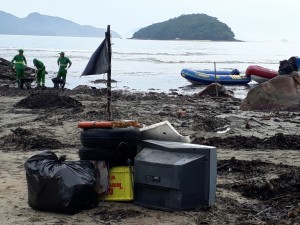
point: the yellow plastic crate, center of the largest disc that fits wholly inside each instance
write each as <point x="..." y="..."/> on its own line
<point x="121" y="184"/>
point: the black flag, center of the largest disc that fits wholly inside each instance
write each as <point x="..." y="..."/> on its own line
<point x="99" y="62"/>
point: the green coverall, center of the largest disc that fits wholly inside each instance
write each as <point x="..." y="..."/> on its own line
<point x="40" y="72"/>
<point x="19" y="62"/>
<point x="63" y="63"/>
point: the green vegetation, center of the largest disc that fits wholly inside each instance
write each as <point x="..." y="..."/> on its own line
<point x="187" y="27"/>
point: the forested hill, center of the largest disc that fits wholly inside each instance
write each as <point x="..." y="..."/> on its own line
<point x="187" y="27"/>
<point x="37" y="24"/>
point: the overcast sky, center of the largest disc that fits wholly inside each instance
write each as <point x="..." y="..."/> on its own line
<point x="249" y="19"/>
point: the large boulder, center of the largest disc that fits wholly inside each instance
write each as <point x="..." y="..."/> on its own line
<point x="281" y="93"/>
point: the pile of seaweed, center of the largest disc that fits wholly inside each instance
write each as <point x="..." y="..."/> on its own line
<point x="46" y="100"/>
<point x="276" y="187"/>
<point x="216" y="90"/>
<point x="278" y="141"/>
<point x="25" y="140"/>
<point x="7" y="72"/>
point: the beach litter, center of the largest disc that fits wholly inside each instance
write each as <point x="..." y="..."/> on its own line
<point x="163" y="131"/>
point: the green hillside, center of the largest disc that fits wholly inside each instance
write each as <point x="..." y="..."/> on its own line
<point x="187" y="27"/>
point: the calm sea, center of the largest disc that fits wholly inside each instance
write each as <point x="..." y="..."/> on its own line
<point x="145" y="65"/>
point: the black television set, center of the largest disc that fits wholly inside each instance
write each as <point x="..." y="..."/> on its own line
<point x="175" y="176"/>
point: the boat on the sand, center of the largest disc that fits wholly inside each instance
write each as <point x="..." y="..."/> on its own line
<point x="260" y="74"/>
<point x="230" y="77"/>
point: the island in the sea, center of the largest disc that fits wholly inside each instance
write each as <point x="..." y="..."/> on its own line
<point x="187" y="27"/>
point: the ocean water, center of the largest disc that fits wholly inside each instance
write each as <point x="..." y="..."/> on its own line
<point x="143" y="65"/>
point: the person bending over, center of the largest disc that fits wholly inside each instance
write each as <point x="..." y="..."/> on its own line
<point x="40" y="72"/>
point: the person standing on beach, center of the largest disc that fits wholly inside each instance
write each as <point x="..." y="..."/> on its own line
<point x="40" y="72"/>
<point x="19" y="62"/>
<point x="64" y="64"/>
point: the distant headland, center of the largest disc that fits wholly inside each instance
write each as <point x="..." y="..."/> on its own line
<point x="42" y="25"/>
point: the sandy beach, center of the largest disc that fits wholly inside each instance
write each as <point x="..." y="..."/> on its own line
<point x="258" y="153"/>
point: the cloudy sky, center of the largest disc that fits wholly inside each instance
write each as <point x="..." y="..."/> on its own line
<point x="259" y="20"/>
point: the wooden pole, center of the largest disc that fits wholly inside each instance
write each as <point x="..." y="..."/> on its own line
<point x="216" y="79"/>
<point x="107" y="37"/>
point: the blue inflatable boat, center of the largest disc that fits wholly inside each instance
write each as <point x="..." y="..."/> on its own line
<point x="208" y="76"/>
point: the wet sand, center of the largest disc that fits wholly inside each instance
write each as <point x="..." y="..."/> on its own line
<point x="258" y="153"/>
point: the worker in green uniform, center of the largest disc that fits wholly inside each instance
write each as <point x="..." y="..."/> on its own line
<point x="19" y="62"/>
<point x="40" y="72"/>
<point x="64" y="64"/>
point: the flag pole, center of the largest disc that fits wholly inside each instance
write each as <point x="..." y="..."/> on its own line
<point x="217" y="95"/>
<point x="107" y="37"/>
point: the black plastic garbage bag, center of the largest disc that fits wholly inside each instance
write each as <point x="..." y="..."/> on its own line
<point x="60" y="186"/>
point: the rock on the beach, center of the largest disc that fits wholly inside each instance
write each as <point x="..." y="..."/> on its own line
<point x="82" y="88"/>
<point x="7" y="72"/>
<point x="281" y="93"/>
<point x="215" y="88"/>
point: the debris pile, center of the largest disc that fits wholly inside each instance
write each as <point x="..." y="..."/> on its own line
<point x="278" y="141"/>
<point x="216" y="90"/>
<point x="209" y="123"/>
<point x="25" y="140"/>
<point x="274" y="187"/>
<point x="48" y="100"/>
<point x="8" y="73"/>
